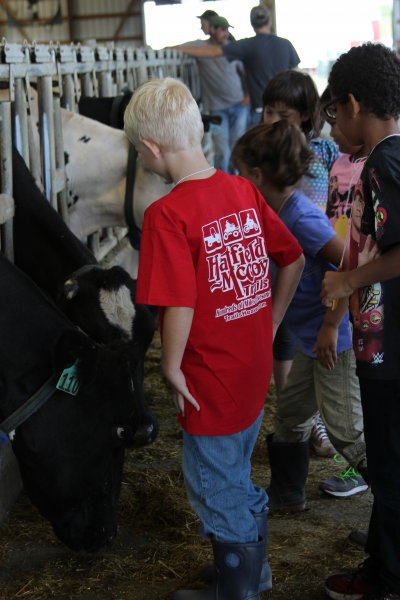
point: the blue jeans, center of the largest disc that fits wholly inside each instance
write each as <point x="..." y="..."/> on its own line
<point x="233" y="125"/>
<point x="217" y="473"/>
<point x="255" y="118"/>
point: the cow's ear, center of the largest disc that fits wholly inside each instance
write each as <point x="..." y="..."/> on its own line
<point x="74" y="345"/>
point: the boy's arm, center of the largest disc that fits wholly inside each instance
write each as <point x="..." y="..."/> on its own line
<point x="341" y="285"/>
<point x="285" y="286"/>
<point x="326" y="345"/>
<point x="176" y="329"/>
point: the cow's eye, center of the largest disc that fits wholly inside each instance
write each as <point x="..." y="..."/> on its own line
<point x="120" y="433"/>
<point x="71" y="288"/>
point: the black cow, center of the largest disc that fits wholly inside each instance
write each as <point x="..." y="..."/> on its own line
<point x="100" y="301"/>
<point x="110" y="110"/>
<point x="69" y="451"/>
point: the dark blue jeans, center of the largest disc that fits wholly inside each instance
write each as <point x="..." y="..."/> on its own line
<point x="381" y="408"/>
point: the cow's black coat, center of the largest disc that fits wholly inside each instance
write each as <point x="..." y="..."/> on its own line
<point x="70" y="455"/>
<point x="68" y="452"/>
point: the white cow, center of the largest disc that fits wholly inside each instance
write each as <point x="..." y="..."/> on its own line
<point x="96" y="171"/>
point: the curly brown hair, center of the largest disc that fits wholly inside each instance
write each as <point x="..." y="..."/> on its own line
<point x="279" y="150"/>
<point x="371" y="73"/>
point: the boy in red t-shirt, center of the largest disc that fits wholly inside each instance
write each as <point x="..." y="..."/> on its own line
<point x="204" y="260"/>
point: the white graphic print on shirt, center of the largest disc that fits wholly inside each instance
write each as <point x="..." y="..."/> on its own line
<point x="238" y="261"/>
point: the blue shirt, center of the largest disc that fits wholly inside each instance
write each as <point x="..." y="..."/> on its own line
<point x="306" y="312"/>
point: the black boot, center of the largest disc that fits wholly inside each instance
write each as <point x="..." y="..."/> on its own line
<point x="261" y="520"/>
<point x="289" y="470"/>
<point x="208" y="572"/>
<point x="231" y="583"/>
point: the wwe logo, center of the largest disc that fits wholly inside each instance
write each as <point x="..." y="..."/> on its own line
<point x="377" y="358"/>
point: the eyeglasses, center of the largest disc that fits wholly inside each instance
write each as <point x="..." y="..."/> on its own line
<point x="331" y="108"/>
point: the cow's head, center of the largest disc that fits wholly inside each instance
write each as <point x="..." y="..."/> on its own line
<point x="102" y="303"/>
<point x="71" y="451"/>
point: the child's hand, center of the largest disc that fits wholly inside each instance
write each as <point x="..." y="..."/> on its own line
<point x="326" y="346"/>
<point x="335" y="285"/>
<point x="369" y="253"/>
<point x="180" y="391"/>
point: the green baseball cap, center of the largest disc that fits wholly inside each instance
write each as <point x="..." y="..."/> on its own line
<point x="219" y="22"/>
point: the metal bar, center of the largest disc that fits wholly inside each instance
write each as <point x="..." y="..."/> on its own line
<point x="69" y="92"/>
<point x="60" y="182"/>
<point x="6" y="237"/>
<point x="46" y="133"/>
<point x="21" y="136"/>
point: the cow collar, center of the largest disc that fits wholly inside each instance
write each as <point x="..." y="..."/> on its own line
<point x="27" y="409"/>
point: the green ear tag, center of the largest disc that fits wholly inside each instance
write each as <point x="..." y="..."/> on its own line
<point x="68" y="381"/>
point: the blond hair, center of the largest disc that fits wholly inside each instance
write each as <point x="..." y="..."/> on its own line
<point x="164" y="111"/>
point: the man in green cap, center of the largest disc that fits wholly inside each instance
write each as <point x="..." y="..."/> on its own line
<point x="223" y="94"/>
<point x="263" y="56"/>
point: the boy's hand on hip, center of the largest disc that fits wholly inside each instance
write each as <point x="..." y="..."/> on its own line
<point x="181" y="391"/>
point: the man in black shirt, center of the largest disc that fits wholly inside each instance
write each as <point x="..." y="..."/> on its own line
<point x="263" y="56"/>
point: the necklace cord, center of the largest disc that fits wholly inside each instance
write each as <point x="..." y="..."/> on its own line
<point x="191" y="175"/>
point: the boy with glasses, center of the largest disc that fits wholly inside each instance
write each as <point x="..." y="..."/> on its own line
<point x="365" y="88"/>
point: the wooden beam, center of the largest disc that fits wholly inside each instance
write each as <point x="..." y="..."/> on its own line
<point x="12" y="15"/>
<point x="70" y="23"/>
<point x="116" y="15"/>
<point x="124" y="19"/>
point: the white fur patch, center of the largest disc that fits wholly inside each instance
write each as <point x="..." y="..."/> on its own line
<point x="118" y="308"/>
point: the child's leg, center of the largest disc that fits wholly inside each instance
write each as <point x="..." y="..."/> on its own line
<point x="381" y="402"/>
<point x="338" y="398"/>
<point x="283" y="348"/>
<point x="216" y="471"/>
<point x="288" y="447"/>
<point x="297" y="403"/>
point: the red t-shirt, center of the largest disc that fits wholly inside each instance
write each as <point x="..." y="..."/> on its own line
<point x="206" y="245"/>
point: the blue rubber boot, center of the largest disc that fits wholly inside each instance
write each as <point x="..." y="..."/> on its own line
<point x="237" y="573"/>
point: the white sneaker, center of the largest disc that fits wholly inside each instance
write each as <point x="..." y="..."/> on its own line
<point x="319" y="440"/>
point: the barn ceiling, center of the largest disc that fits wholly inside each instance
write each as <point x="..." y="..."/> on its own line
<point x="72" y="20"/>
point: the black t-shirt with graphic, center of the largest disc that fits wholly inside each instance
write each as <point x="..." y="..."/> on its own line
<point x="377" y="199"/>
